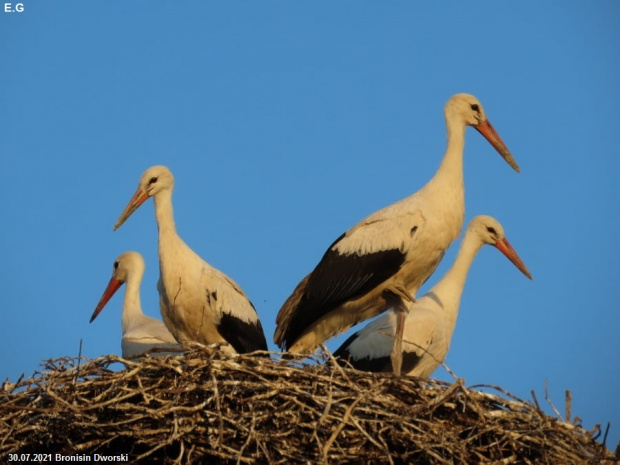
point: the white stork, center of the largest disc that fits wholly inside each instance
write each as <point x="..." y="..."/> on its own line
<point x="140" y="332"/>
<point x="382" y="261"/>
<point x="197" y="302"/>
<point x="430" y="323"/>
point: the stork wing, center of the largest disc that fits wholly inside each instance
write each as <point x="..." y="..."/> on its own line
<point x="151" y="328"/>
<point x="239" y="323"/>
<point x="369" y="349"/>
<point x="357" y="262"/>
<point x="243" y="336"/>
<point x="344" y="276"/>
<point x="382" y="364"/>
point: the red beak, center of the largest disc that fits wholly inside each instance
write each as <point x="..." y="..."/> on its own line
<point x="504" y="247"/>
<point x="138" y="199"/>
<point x="113" y="286"/>
<point x="488" y="131"/>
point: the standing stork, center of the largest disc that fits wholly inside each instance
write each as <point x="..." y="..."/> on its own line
<point x="382" y="261"/>
<point x="140" y="332"/>
<point x="198" y="302"/>
<point x="430" y="323"/>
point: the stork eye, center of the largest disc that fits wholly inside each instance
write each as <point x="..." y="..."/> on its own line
<point x="475" y="107"/>
<point x="115" y="265"/>
<point x="491" y="229"/>
<point x="153" y="180"/>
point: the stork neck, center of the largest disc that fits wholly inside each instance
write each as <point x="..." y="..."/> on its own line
<point x="452" y="163"/>
<point x="163" y="213"/>
<point x="131" y="302"/>
<point x="450" y="287"/>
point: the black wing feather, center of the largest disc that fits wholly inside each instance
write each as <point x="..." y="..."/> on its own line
<point x="375" y="365"/>
<point x="338" y="278"/>
<point x="243" y="336"/>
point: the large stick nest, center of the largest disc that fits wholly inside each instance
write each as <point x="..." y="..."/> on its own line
<point x="208" y="407"/>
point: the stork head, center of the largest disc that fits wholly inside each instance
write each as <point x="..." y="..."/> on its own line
<point x="467" y="110"/>
<point x="156" y="179"/>
<point x="490" y="231"/>
<point x="126" y="266"/>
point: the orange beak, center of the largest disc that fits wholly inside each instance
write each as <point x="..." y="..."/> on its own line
<point x="138" y="199"/>
<point x="488" y="131"/>
<point x="113" y="286"/>
<point x="504" y="247"/>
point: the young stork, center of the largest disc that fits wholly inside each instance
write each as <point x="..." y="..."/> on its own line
<point x="382" y="261"/>
<point x="198" y="302"/>
<point x="430" y="323"/>
<point x="140" y="332"/>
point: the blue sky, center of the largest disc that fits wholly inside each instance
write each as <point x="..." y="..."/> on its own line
<point x="285" y="123"/>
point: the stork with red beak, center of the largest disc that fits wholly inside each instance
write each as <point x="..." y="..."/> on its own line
<point x="197" y="301"/>
<point x="140" y="332"/>
<point x="430" y="322"/>
<point x="381" y="262"/>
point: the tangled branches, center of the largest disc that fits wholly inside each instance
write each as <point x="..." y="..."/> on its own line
<point x="208" y="407"/>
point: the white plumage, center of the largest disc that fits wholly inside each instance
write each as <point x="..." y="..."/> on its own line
<point x="382" y="261"/>
<point x="140" y="332"/>
<point x="430" y="323"/>
<point x="198" y="302"/>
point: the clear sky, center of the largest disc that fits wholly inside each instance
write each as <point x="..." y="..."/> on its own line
<point x="285" y="123"/>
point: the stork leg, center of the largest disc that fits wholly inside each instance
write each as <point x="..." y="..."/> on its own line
<point x="400" y="299"/>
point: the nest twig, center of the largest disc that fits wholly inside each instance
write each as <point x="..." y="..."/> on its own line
<point x="208" y="407"/>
